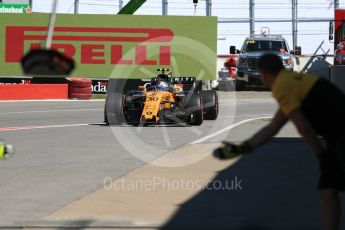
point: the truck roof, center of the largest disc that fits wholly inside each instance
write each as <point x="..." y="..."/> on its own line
<point x="266" y="37"/>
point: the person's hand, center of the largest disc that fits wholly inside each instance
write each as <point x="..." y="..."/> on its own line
<point x="230" y="150"/>
<point x="2" y="151"/>
<point x="6" y="151"/>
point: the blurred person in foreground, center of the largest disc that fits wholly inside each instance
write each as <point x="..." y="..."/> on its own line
<point x="6" y="151"/>
<point x="317" y="109"/>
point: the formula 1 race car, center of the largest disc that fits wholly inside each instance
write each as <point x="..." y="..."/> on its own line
<point x="161" y="100"/>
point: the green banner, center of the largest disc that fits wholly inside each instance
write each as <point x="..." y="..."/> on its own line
<point x="15" y="8"/>
<point x="120" y="46"/>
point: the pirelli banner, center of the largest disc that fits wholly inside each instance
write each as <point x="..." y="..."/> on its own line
<point x="118" y="46"/>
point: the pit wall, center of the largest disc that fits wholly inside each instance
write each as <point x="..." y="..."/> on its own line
<point x="33" y="91"/>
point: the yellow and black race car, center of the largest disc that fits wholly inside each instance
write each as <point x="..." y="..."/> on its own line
<point x="161" y="100"/>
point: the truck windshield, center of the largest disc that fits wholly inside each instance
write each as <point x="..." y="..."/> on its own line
<point x="262" y="45"/>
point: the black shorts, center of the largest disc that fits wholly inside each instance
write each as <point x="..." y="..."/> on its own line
<point x="332" y="166"/>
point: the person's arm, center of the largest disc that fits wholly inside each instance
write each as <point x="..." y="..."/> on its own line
<point x="230" y="150"/>
<point x="266" y="133"/>
<point x="306" y="131"/>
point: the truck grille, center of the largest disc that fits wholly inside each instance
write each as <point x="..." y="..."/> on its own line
<point x="253" y="63"/>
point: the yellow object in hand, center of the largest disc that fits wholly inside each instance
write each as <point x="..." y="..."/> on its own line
<point x="6" y="151"/>
<point x="2" y="151"/>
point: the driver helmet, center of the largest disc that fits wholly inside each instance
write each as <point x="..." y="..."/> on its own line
<point x="163" y="77"/>
<point x="163" y="86"/>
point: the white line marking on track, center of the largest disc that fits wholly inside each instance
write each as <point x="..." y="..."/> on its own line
<point x="226" y="129"/>
<point x="39" y="127"/>
<point x="50" y="111"/>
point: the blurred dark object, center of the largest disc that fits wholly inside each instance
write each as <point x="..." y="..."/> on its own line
<point x="46" y="62"/>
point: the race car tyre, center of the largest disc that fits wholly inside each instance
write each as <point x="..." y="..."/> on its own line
<point x="77" y="90"/>
<point x="79" y="82"/>
<point x="114" y="104"/>
<point x="120" y="85"/>
<point x="194" y="107"/>
<point x="210" y="104"/>
<point x="240" y="85"/>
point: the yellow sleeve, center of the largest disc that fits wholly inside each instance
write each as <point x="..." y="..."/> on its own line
<point x="288" y="103"/>
<point x="288" y="97"/>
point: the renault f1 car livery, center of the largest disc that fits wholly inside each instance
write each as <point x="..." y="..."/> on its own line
<point x="160" y="100"/>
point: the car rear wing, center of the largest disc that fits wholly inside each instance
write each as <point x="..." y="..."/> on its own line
<point x="176" y="80"/>
<point x="188" y="83"/>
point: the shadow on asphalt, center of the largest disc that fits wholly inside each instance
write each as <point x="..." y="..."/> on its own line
<point x="77" y="225"/>
<point x="277" y="191"/>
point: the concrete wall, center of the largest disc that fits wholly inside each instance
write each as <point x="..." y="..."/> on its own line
<point x="220" y="62"/>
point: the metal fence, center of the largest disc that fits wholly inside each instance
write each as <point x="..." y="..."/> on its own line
<point x="302" y="22"/>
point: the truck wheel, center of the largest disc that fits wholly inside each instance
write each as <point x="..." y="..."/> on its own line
<point x="114" y="109"/>
<point x="240" y="85"/>
<point x="210" y="104"/>
<point x="194" y="107"/>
